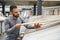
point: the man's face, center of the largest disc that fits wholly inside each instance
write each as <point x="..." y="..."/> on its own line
<point x="15" y="12"/>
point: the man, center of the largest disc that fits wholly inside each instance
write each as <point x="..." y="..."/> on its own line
<point x="13" y="24"/>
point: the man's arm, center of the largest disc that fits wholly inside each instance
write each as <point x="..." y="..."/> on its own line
<point x="7" y="27"/>
<point x="27" y="26"/>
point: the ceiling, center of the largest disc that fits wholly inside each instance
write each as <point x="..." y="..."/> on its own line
<point x="51" y="3"/>
<point x="32" y="2"/>
<point x="20" y="2"/>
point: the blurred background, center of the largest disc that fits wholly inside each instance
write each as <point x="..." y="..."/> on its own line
<point x="34" y="7"/>
<point x="28" y="8"/>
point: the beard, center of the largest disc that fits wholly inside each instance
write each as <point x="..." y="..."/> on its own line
<point x="16" y="15"/>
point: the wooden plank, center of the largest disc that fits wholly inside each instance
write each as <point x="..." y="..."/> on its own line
<point x="51" y="12"/>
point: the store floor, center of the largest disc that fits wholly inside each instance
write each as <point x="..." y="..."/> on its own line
<point x="2" y="37"/>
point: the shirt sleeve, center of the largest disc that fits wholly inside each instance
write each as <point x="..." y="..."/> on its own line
<point x="7" y="27"/>
<point x="27" y="26"/>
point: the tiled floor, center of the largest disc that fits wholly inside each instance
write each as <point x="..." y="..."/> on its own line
<point x="2" y="37"/>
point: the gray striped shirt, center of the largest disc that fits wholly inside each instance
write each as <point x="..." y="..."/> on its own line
<point x="11" y="31"/>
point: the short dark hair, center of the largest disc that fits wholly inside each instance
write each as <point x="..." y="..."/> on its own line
<point x="12" y="7"/>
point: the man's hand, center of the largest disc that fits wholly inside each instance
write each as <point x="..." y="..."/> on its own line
<point x="17" y="26"/>
<point x="37" y="25"/>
